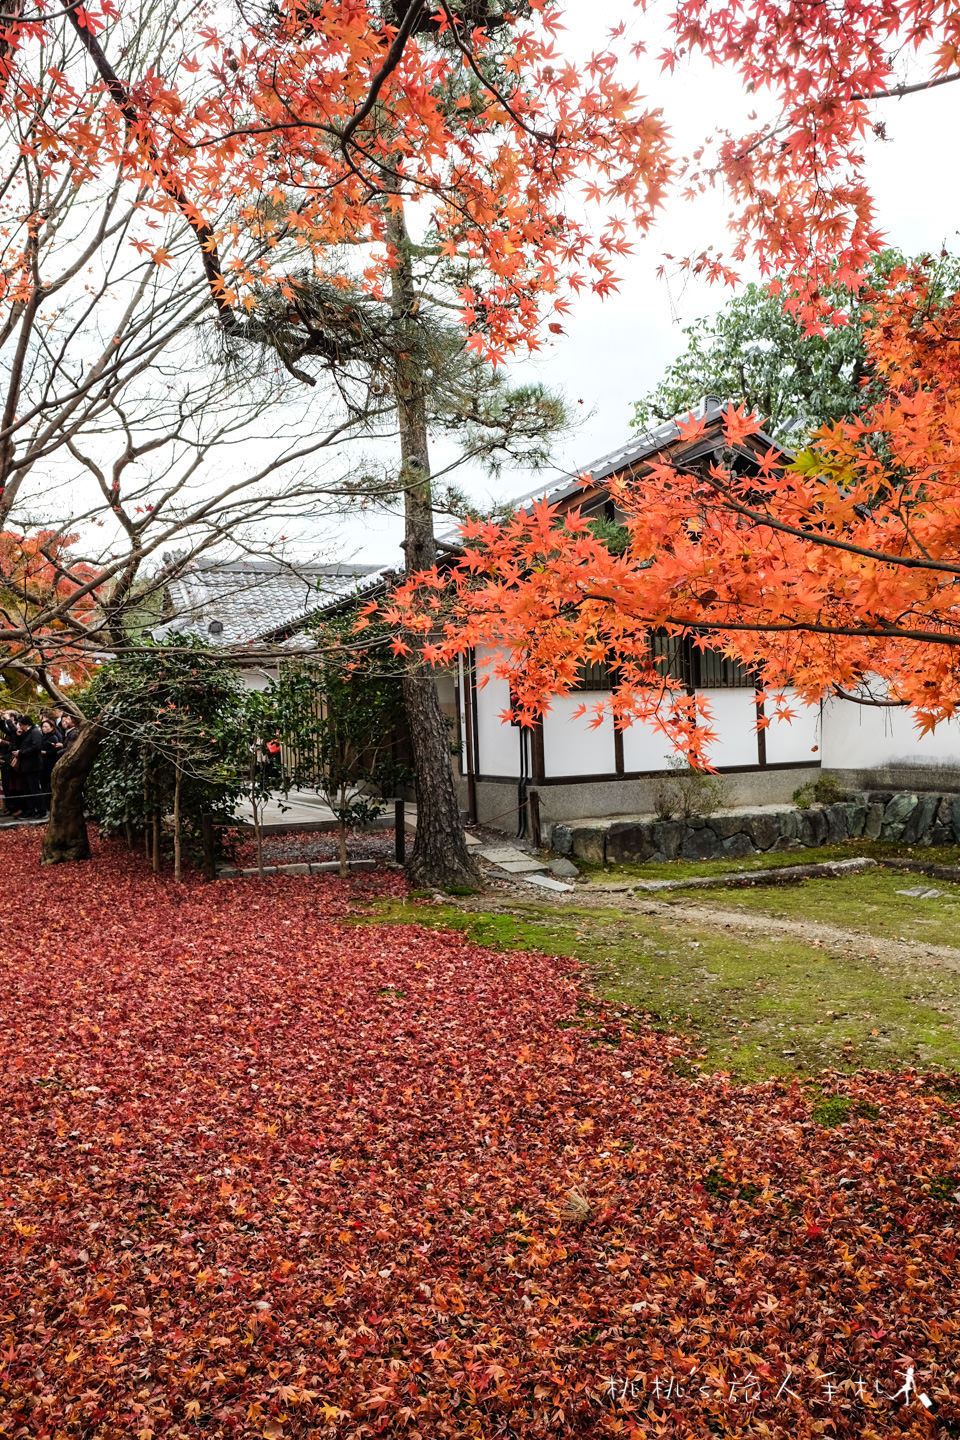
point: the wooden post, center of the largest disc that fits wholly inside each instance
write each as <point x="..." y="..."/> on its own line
<point x="208" y="843"/>
<point x="400" y="834"/>
<point x="177" y="849"/>
<point x="533" y="805"/>
<point x="467" y="707"/>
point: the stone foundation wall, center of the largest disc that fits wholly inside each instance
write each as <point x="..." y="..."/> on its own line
<point x="909" y="819"/>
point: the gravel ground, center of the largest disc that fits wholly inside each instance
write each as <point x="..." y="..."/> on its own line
<point x="317" y="845"/>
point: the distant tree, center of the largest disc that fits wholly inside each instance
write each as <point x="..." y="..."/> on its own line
<point x="753" y="351"/>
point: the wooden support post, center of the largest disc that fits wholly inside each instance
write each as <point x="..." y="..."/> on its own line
<point x="400" y="834"/>
<point x="208" y="843"/>
<point x="533" y="805"/>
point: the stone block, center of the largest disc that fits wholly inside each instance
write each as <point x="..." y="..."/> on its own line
<point x="564" y="869"/>
<point x="917" y="829"/>
<point x="856" y="813"/>
<point x="668" y="837"/>
<point x="788" y="824"/>
<point x="726" y="825"/>
<point x="956" y="817"/>
<point x="945" y="811"/>
<point x="546" y="882"/>
<point x="836" y="817"/>
<point x="700" y="844"/>
<point x="763" y="830"/>
<point x="738" y="846"/>
<point x="629" y="844"/>
<point x="561" y="839"/>
<point x="300" y="869"/>
<point x="895" y="816"/>
<point x="813" y="828"/>
<point x="331" y="867"/>
<point x="874" y="821"/>
<point x="588" y="844"/>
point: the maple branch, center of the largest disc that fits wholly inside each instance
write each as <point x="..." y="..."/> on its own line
<point x="763" y="517"/>
<point x="801" y="627"/>
<point x="393" y="57"/>
<point x="169" y="184"/>
<point x="869" y="700"/>
<point x="898" y="91"/>
<point x="470" y="56"/>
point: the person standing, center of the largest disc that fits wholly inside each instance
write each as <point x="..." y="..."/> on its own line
<point x="68" y="730"/>
<point x="9" y="779"/>
<point x="51" y="748"/>
<point x="29" y="764"/>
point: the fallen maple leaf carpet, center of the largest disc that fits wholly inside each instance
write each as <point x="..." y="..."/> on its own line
<point x="266" y="1173"/>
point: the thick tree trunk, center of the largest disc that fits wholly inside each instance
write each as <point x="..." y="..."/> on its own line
<point x="65" y="837"/>
<point x="440" y="858"/>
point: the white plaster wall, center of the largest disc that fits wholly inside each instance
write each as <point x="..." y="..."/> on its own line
<point x="733" y="716"/>
<point x="859" y="737"/>
<point x="792" y="741"/>
<point x="645" y="748"/>
<point x="499" y="744"/>
<point x="571" y="746"/>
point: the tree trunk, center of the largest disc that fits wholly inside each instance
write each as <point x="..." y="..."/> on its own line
<point x="208" y="842"/>
<point x="176" y="827"/>
<point x="342" y="847"/>
<point x="440" y="858"/>
<point x="65" y="837"/>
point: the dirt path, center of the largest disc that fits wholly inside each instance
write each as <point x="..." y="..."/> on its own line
<point x="831" y="937"/>
<point x="710" y="917"/>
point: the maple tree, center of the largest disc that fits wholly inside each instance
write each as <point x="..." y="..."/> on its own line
<point x="273" y="1173"/>
<point x="42" y="588"/>
<point x="833" y="572"/>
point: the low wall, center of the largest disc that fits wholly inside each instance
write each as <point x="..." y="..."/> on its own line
<point x="908" y="818"/>
<point x="569" y="802"/>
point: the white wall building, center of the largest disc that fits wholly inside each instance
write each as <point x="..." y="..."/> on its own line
<point x="577" y="771"/>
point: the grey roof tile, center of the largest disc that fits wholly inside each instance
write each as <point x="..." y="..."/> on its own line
<point x="250" y="601"/>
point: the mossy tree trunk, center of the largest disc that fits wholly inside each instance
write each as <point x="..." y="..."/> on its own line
<point x="65" y="837"/>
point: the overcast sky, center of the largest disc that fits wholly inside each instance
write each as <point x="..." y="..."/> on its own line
<point x="617" y="349"/>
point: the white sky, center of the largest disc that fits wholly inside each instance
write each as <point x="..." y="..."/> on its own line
<point x="616" y="350"/>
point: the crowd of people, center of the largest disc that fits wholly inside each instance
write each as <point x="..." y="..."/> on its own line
<point x="28" y="752"/>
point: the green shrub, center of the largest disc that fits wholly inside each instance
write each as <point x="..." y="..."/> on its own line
<point x="823" y="791"/>
<point x="688" y="793"/>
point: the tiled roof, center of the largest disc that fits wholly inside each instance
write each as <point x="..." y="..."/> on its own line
<point x="241" y="602"/>
<point x="638" y="448"/>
